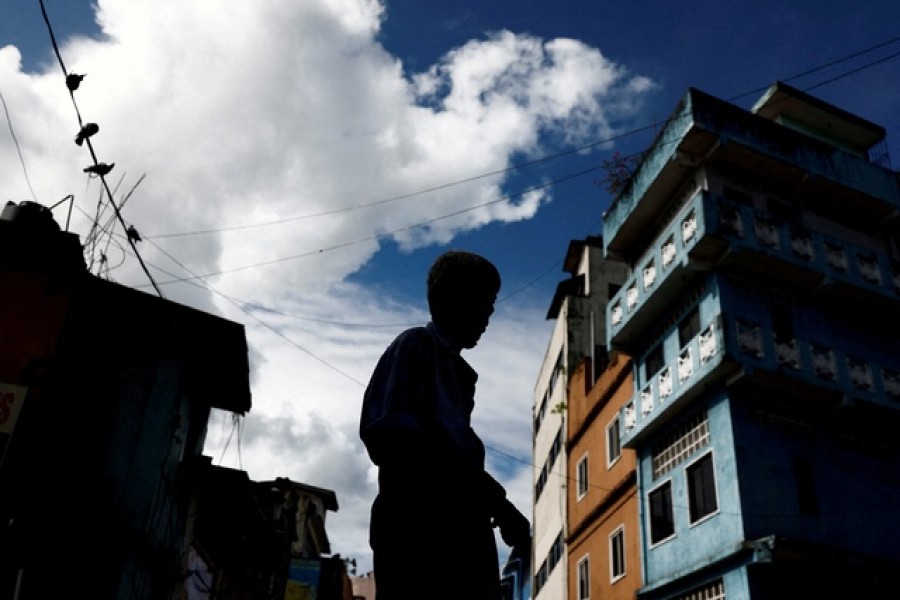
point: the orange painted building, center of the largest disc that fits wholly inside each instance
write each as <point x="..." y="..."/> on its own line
<point x="603" y="541"/>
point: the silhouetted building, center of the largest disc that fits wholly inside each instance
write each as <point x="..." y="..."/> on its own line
<point x="105" y="394"/>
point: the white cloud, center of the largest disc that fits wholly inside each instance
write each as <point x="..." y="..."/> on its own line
<point x="282" y="111"/>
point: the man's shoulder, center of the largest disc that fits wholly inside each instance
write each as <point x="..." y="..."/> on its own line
<point x="412" y="337"/>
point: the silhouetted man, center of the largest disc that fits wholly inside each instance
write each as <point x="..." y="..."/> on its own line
<point x="432" y="521"/>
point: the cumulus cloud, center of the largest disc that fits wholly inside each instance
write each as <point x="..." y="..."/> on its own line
<point x="276" y="147"/>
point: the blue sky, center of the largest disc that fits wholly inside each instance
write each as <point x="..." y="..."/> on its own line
<point x="322" y="124"/>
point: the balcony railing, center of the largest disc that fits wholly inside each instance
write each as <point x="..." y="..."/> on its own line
<point x="798" y="245"/>
<point x="734" y="341"/>
<point x="709" y="215"/>
<point x="700" y="121"/>
<point x="658" y="264"/>
<point x="694" y="362"/>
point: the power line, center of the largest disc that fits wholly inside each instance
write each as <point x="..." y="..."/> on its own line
<point x="389" y="233"/>
<point x="100" y="169"/>
<point x="494" y="201"/>
<point x="12" y="132"/>
<point x="258" y="320"/>
<point x="545" y="158"/>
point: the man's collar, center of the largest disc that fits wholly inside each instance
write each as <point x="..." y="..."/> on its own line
<point x="433" y="328"/>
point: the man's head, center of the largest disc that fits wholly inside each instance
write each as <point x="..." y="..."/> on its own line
<point x="462" y="288"/>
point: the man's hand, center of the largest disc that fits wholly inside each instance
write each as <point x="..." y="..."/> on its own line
<point x="515" y="530"/>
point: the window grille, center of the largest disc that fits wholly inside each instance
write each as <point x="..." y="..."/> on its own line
<point x="712" y="591"/>
<point x="680" y="444"/>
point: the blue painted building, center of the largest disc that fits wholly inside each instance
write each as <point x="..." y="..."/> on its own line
<point x="762" y="312"/>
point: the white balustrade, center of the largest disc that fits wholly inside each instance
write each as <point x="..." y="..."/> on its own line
<point x="631" y="296"/>
<point x="668" y="252"/>
<point x="649" y="275"/>
<point x="685" y="365"/>
<point x="689" y="227"/>
<point x="787" y="353"/>
<point x="749" y="339"/>
<point x="646" y="401"/>
<point x="665" y="384"/>
<point x="616" y="313"/>
<point x="708" y="346"/>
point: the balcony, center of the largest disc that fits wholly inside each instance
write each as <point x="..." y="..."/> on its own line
<point x="667" y="269"/>
<point x="711" y="230"/>
<point x="704" y="129"/>
<point x="700" y="360"/>
<point x="799" y="257"/>
<point x="729" y="345"/>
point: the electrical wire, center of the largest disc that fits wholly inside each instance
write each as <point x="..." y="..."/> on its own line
<point x="550" y="157"/>
<point x="90" y="146"/>
<point x="388" y="233"/>
<point x="258" y="320"/>
<point x="15" y="140"/>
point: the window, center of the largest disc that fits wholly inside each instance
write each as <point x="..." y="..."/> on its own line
<point x="558" y="369"/>
<point x="701" y="481"/>
<point x="555" y="449"/>
<point x="617" y="554"/>
<point x="581" y="476"/>
<point x="541" y="413"/>
<point x="584" y="578"/>
<point x="689" y="327"/>
<point x="549" y="563"/>
<point x="662" y="521"/>
<point x="613" y="442"/>
<point x="654" y="362"/>
<point x="599" y="362"/>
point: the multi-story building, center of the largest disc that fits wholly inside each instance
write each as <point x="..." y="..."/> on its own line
<point x="762" y="317"/>
<point x="602" y="543"/>
<point x="578" y="307"/>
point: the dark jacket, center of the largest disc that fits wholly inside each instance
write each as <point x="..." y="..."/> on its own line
<point x="431" y="527"/>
